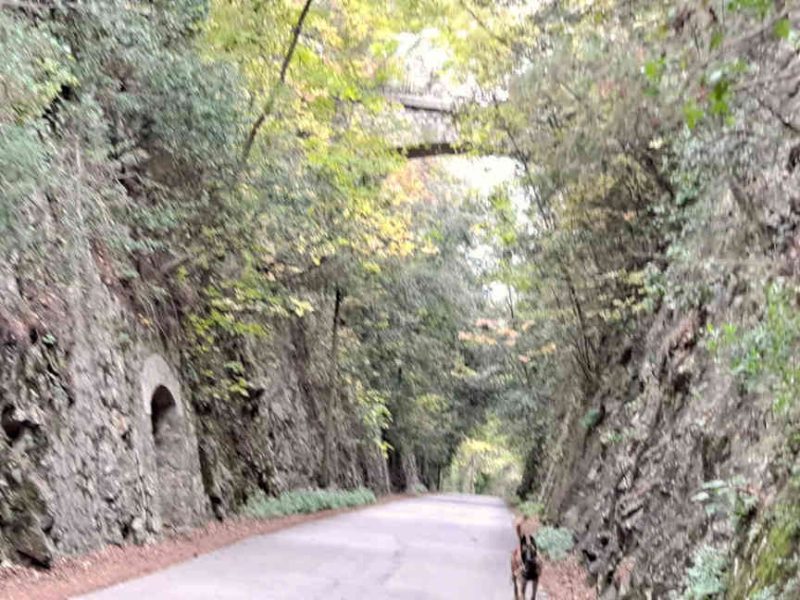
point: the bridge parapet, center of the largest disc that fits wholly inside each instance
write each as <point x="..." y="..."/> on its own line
<point x="423" y="125"/>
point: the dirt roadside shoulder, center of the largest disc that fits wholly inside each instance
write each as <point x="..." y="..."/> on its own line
<point x="73" y="575"/>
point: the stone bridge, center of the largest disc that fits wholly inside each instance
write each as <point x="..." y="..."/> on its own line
<point x="426" y="99"/>
<point x="424" y="124"/>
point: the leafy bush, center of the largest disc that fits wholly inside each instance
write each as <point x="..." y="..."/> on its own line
<point x="555" y="542"/>
<point x="33" y="70"/>
<point x="610" y="438"/>
<point x="706" y="577"/>
<point x="765" y="594"/>
<point x="530" y="509"/>
<point x="261" y="506"/>
<point x="591" y="418"/>
<point x="729" y="498"/>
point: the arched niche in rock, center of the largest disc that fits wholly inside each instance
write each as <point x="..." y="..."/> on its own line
<point x="171" y="438"/>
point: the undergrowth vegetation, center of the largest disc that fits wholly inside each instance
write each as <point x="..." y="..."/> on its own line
<point x="261" y="506"/>
<point x="529" y="508"/>
<point x="555" y="542"/>
<point x="706" y="578"/>
<point x="764" y="355"/>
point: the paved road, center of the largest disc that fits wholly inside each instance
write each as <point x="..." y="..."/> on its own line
<point x="437" y="547"/>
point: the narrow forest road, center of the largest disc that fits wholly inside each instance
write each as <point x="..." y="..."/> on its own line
<point x="434" y="547"/>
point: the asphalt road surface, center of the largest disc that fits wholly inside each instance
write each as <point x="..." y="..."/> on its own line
<point x="448" y="547"/>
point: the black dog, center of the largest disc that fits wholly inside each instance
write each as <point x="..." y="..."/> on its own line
<point x="525" y="564"/>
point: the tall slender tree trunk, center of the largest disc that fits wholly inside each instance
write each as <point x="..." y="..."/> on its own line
<point x="586" y="350"/>
<point x="328" y="460"/>
<point x="270" y="103"/>
<point x="510" y="298"/>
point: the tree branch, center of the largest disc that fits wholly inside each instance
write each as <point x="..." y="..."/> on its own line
<point x="269" y="105"/>
<point x="476" y="17"/>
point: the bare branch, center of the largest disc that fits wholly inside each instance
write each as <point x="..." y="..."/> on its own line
<point x="476" y="17"/>
<point x="287" y="59"/>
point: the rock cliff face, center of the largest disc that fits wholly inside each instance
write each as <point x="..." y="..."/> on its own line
<point x="674" y="425"/>
<point x="98" y="442"/>
<point x="272" y="438"/>
<point x="104" y="441"/>
<point x="679" y="455"/>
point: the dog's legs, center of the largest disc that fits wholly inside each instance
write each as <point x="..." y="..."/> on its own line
<point x="534" y="585"/>
<point x="518" y="594"/>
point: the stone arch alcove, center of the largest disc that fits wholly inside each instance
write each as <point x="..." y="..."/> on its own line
<point x="176" y="467"/>
<point x="166" y="428"/>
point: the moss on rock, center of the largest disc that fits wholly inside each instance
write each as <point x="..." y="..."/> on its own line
<point x="771" y="557"/>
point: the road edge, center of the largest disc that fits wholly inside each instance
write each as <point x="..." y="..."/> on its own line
<point x="81" y="574"/>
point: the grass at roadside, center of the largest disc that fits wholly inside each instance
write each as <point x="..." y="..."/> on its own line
<point x="261" y="506"/>
<point x="554" y="542"/>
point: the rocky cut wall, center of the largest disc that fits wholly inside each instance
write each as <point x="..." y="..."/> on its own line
<point x="681" y="456"/>
<point x="271" y="438"/>
<point x="122" y="134"/>
<point x="105" y="440"/>
<point x="97" y="443"/>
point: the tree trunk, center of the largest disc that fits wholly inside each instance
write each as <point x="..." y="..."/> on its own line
<point x="333" y="381"/>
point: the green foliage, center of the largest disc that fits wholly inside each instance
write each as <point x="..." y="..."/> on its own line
<point x="555" y="542"/>
<point x="591" y="419"/>
<point x="34" y="69"/>
<point x="611" y="438"/>
<point x="783" y="28"/>
<point x="776" y="561"/>
<point x="529" y="508"/>
<point x="760" y="8"/>
<point x="729" y="498"/>
<point x="484" y="463"/>
<point x="706" y="577"/>
<point x="23" y="162"/>
<point x="261" y="506"/>
<point x="764" y="357"/>
<point x="375" y="414"/>
<point x="692" y="113"/>
<point x="767" y="593"/>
